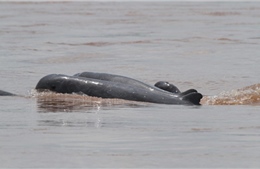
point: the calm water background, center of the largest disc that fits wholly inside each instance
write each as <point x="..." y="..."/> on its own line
<point x="212" y="47"/>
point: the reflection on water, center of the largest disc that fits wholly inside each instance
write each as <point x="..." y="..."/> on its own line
<point x="91" y="119"/>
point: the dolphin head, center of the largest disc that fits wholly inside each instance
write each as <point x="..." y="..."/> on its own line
<point x="50" y="82"/>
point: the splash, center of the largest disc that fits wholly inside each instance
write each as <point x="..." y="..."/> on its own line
<point x="249" y="95"/>
<point x="58" y="102"/>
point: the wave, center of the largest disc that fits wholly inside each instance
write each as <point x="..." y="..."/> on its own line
<point x="249" y="95"/>
<point x="103" y="43"/>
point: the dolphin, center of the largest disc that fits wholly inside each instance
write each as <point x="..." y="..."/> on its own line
<point x="4" y="93"/>
<point x="115" y="86"/>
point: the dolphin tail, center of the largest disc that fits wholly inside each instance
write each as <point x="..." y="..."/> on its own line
<point x="194" y="98"/>
<point x="4" y="93"/>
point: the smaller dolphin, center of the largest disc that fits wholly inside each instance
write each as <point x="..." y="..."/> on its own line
<point x="173" y="89"/>
<point x="4" y="93"/>
<point x="167" y="86"/>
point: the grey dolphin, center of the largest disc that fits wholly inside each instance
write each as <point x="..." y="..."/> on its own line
<point x="114" y="86"/>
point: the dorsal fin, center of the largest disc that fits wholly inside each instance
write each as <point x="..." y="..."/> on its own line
<point x="4" y="93"/>
<point x="194" y="98"/>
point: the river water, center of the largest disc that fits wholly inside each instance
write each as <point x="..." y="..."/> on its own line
<point x="212" y="47"/>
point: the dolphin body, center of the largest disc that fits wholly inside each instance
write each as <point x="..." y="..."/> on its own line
<point x="114" y="86"/>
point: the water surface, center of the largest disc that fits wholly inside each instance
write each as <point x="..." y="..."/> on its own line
<point x="212" y="47"/>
